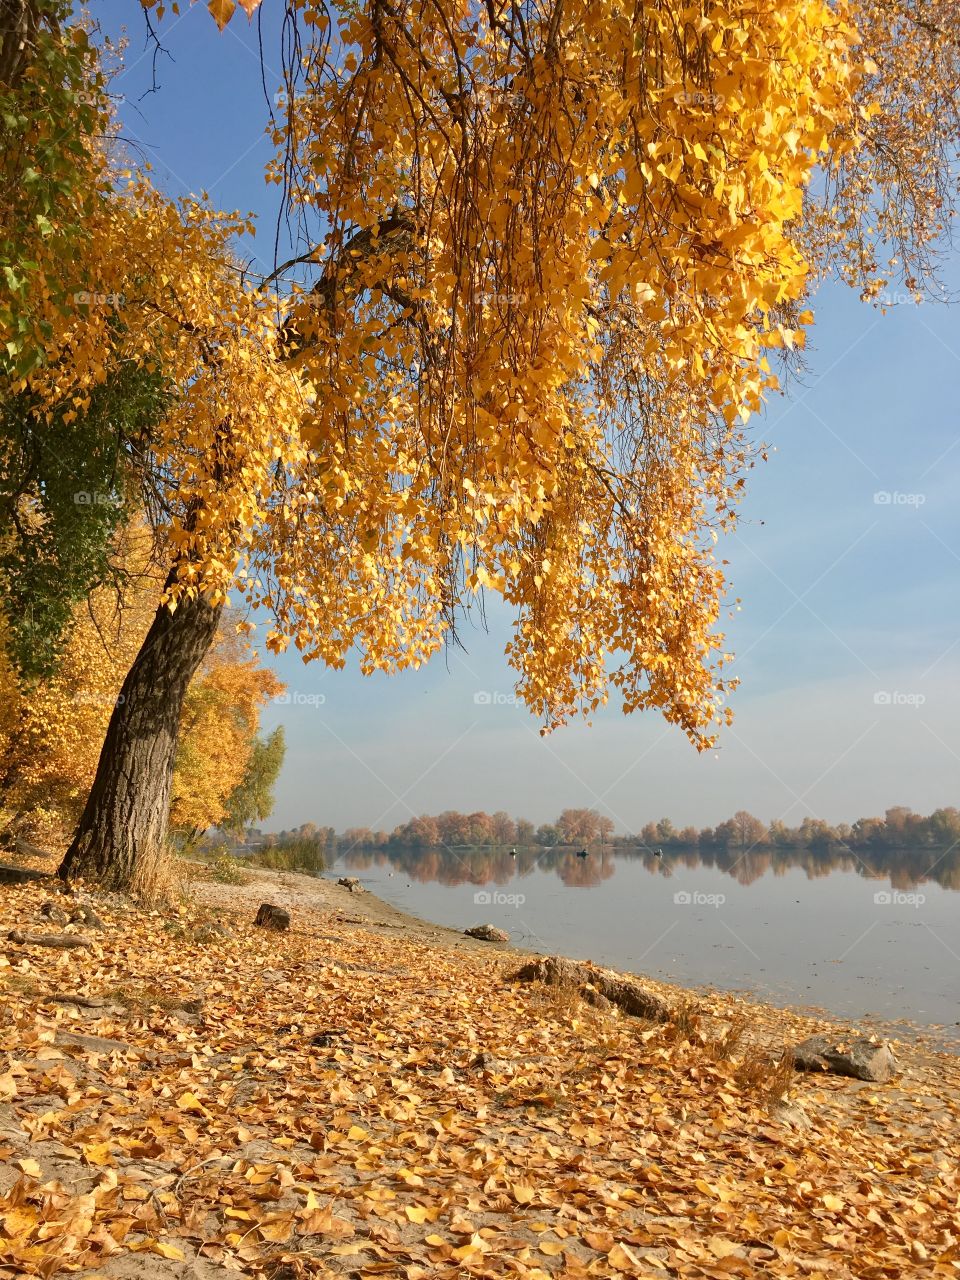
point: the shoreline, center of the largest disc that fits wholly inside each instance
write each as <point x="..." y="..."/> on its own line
<point x="368" y="908"/>
<point x="366" y="1093"/>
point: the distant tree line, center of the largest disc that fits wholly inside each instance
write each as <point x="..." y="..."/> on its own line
<point x="899" y="827"/>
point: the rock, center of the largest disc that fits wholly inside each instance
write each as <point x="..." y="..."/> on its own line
<point x="271" y="917"/>
<point x="325" y="1039"/>
<point x="85" y="914"/>
<point x="53" y="913"/>
<point x="19" y="875"/>
<point x="210" y="930"/>
<point x="187" y="1004"/>
<point x="856" y="1056"/>
<point x="351" y="883"/>
<point x="93" y="1044"/>
<point x="596" y="987"/>
<point x="487" y="933"/>
<point x="65" y="941"/>
<point x="791" y="1115"/>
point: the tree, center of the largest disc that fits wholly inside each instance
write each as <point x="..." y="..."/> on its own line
<point x="505" y="830"/>
<point x="217" y="738"/>
<point x="526" y="833"/>
<point x="747" y="830"/>
<point x="252" y="799"/>
<point x="52" y="728"/>
<point x="558" y="246"/>
<point x="578" y="826"/>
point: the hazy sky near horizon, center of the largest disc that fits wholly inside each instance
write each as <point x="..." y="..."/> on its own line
<point x="847" y="562"/>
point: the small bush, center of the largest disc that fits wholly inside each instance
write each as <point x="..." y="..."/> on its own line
<point x="296" y="853"/>
<point x="226" y="869"/>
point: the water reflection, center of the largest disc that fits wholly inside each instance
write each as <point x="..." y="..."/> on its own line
<point x="863" y="934"/>
<point x="903" y="869"/>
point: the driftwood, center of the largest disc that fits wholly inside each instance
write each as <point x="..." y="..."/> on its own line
<point x="596" y="987"/>
<point x="65" y="941"/>
<point x="84" y="1002"/>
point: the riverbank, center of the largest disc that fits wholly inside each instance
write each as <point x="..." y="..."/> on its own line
<point x="185" y="1095"/>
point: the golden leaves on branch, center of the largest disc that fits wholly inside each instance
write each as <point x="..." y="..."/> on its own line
<point x="557" y="261"/>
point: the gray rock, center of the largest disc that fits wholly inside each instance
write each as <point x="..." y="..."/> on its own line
<point x="596" y="987"/>
<point x="210" y="930"/>
<point x="271" y="917"/>
<point x="487" y="933"/>
<point x="54" y="913"/>
<point x="855" y="1056"/>
<point x="351" y="883"/>
<point x="85" y="914"/>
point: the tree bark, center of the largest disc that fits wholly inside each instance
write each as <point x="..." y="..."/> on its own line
<point x="126" y="816"/>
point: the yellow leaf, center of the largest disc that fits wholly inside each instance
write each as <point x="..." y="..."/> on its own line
<point x="623" y="1258"/>
<point x="167" y="1251"/>
<point x="223" y="11"/>
<point x="98" y="1153"/>
<point x="191" y="1103"/>
<point x="721" y="1248"/>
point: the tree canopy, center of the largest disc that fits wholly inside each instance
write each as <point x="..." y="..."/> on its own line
<point x="557" y="247"/>
<point x="555" y="256"/>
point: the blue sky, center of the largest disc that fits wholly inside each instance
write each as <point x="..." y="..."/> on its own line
<point x="848" y="640"/>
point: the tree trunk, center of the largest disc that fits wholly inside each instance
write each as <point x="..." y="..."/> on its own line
<point x="124" y="823"/>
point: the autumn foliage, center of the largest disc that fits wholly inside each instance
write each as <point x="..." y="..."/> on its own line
<point x="556" y="258"/>
<point x="52" y="729"/>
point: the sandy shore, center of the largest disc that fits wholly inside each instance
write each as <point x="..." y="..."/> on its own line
<point x="184" y="1096"/>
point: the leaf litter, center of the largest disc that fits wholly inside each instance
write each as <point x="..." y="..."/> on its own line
<point x="346" y="1101"/>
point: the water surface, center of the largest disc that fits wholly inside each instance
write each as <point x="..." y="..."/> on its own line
<point x="861" y="936"/>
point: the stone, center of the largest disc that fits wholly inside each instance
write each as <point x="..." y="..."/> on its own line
<point x="85" y="914"/>
<point x="53" y="913"/>
<point x="860" y="1057"/>
<point x="271" y="917"/>
<point x="93" y="1044"/>
<point x="595" y="987"/>
<point x="210" y="930"/>
<point x="351" y="883"/>
<point x="487" y="933"/>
